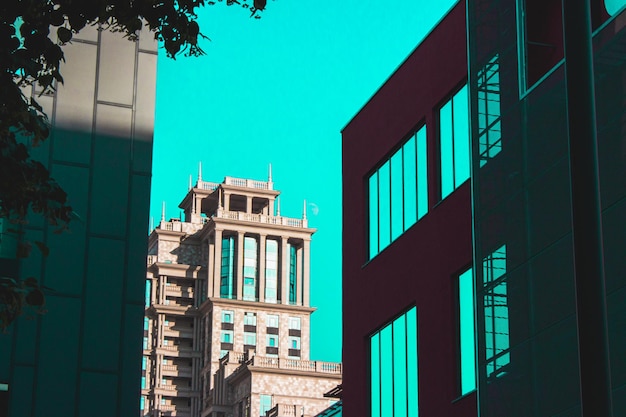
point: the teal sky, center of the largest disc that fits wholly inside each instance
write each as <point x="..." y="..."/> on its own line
<point x="279" y="90"/>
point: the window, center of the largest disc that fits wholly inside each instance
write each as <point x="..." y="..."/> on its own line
<point x="272" y="320"/>
<point x="489" y="129"/>
<point x="146" y="323"/>
<point x="165" y="342"/>
<point x="266" y="404"/>
<point x="271" y="271"/>
<point x="294" y="323"/>
<point x="166" y="323"/>
<point x="454" y="143"/>
<point x="272" y="340"/>
<point x="164" y="362"/>
<point x="249" y="319"/>
<point x="142" y="402"/>
<point x="143" y="382"/>
<point x="144" y="363"/>
<point x="467" y="361"/>
<point x="148" y="292"/>
<point x="293" y="274"/>
<point x="398" y="193"/>
<point x="496" y="312"/>
<point x="540" y="39"/>
<point x="227" y="336"/>
<point x="228" y="316"/>
<point x="249" y="268"/>
<point x="163" y="402"/>
<point x="393" y="364"/>
<point x="249" y="339"/>
<point x="294" y="342"/>
<point x="145" y="343"/>
<point x="227" y="274"/>
<point x="614" y="6"/>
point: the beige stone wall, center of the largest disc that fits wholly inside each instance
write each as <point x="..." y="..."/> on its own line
<point x="187" y="252"/>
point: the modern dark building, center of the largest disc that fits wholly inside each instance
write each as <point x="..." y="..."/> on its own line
<point x="415" y="336"/>
<point x="528" y="356"/>
<point x="407" y="251"/>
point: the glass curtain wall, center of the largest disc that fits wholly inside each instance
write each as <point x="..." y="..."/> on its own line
<point x="526" y="325"/>
<point x="250" y="261"/>
<point x="227" y="275"/>
<point x="271" y="271"/>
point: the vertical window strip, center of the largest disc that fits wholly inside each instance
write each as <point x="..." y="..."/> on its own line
<point x="454" y="142"/>
<point x="467" y="363"/>
<point x="250" y="268"/>
<point x="496" y="312"/>
<point x="398" y="193"/>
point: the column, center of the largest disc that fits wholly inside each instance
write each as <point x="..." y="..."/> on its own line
<point x="240" y="237"/>
<point x="226" y="201"/>
<point x="217" y="262"/>
<point x="284" y="273"/>
<point x="161" y="289"/>
<point x="306" y="270"/>
<point x="262" y="268"/>
<point x="270" y="211"/>
<point x="299" y="276"/>
<point x="210" y="276"/>
<point x="248" y="204"/>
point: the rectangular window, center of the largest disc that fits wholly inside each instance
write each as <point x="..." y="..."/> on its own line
<point x="271" y="271"/>
<point x="144" y="363"/>
<point x="540" y="39"/>
<point x="467" y="357"/>
<point x="266" y="404"/>
<point x="398" y="193"/>
<point x="249" y="319"/>
<point x="489" y="128"/>
<point x="292" y="274"/>
<point x="454" y="143"/>
<point x="393" y="366"/>
<point x="145" y="343"/>
<point x="142" y="402"/>
<point x="250" y="258"/>
<point x="143" y="382"/>
<point x="146" y="323"/>
<point x="228" y="316"/>
<point x="249" y="339"/>
<point x="272" y="320"/>
<point x="227" y="274"/>
<point x="272" y="340"/>
<point x="496" y="313"/>
<point x="294" y="323"/>
<point x="294" y="342"/>
<point x="226" y="336"/>
<point x="148" y="292"/>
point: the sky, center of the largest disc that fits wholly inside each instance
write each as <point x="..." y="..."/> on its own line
<point x="279" y="90"/>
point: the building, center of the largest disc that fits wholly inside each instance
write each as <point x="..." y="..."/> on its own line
<point x="525" y="288"/>
<point x="407" y="240"/>
<point x="227" y="323"/>
<point x="87" y="346"/>
<point x="478" y="301"/>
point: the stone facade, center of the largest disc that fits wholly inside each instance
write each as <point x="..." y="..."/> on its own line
<point x="228" y="315"/>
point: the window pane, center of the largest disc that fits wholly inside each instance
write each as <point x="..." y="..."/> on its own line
<point x="271" y="270"/>
<point x="447" y="149"/>
<point x="375" y="374"/>
<point x="228" y="267"/>
<point x="411" y="362"/>
<point x="422" y="173"/>
<point x="249" y="268"/>
<point x="384" y="203"/>
<point x="461" y="137"/>
<point x="466" y="332"/>
<point x="386" y="372"/>
<point x="410" y="183"/>
<point x="373" y="212"/>
<point x="396" y="195"/>
<point x="399" y="366"/>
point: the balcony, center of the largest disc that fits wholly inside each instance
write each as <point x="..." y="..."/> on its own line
<point x="173" y="331"/>
<point x="261" y="218"/>
<point x="179" y="351"/>
<point x="237" y="182"/>
<point x="176" y="371"/>
<point x="178" y="291"/>
<point x="284" y="410"/>
<point x="332" y="368"/>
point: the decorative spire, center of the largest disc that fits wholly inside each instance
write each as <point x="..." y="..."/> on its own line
<point x="304" y="210"/>
<point x="278" y="206"/>
<point x="190" y="184"/>
<point x="199" y="171"/>
<point x="163" y="212"/>
<point x="269" y="174"/>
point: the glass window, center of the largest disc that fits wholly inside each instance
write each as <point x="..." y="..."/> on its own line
<point x="227" y="336"/>
<point x="489" y="129"/>
<point x="272" y="320"/>
<point x="163" y="401"/>
<point x="266" y="404"/>
<point x="143" y="382"/>
<point x="294" y="323"/>
<point x="496" y="313"/>
<point x="250" y="259"/>
<point x="249" y="338"/>
<point x="393" y="365"/>
<point x="272" y="340"/>
<point x="398" y="193"/>
<point x="145" y="343"/>
<point x="227" y="275"/>
<point x="146" y="323"/>
<point x="292" y="274"/>
<point x="228" y="316"/>
<point x="614" y="6"/>
<point x="144" y="363"/>
<point x="294" y="342"/>
<point x="454" y="144"/>
<point x="271" y="271"/>
<point x="148" y="292"/>
<point x="142" y="402"/>
<point x="249" y="319"/>
<point x="467" y="357"/>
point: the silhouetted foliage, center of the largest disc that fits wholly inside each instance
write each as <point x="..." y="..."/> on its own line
<point x="32" y="33"/>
